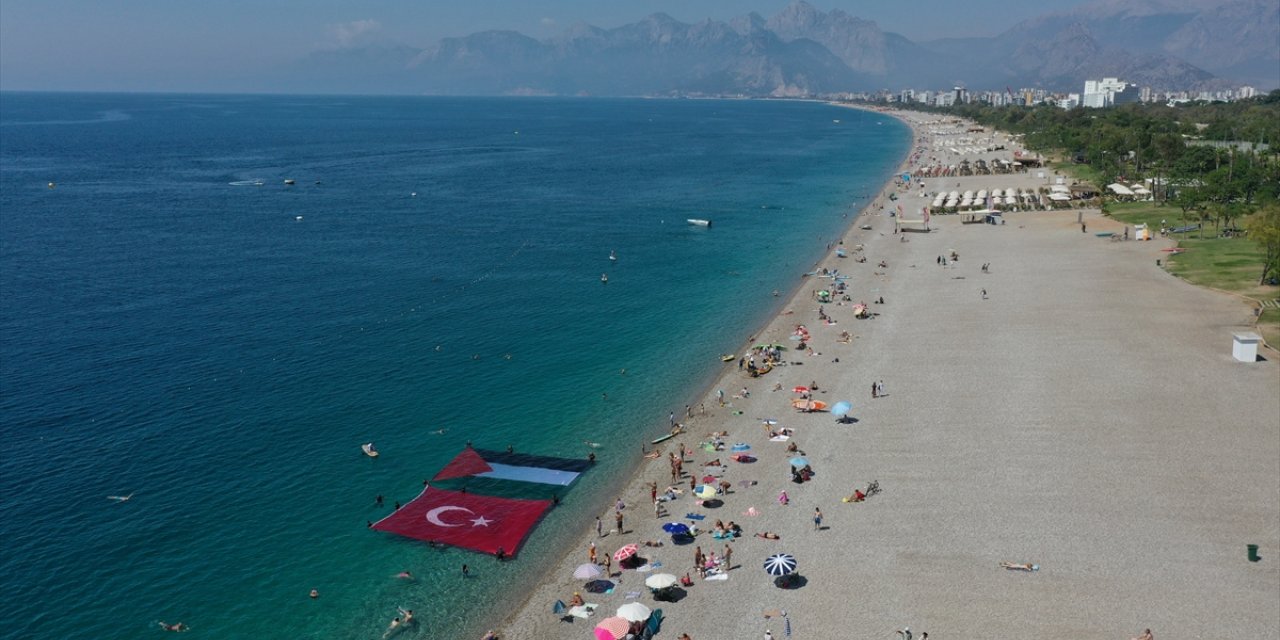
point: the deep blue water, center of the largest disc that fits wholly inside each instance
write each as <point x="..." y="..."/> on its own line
<point x="166" y="333"/>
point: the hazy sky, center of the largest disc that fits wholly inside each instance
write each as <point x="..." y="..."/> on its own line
<point x="185" y="45"/>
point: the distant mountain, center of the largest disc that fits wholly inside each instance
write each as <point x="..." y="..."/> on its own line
<point x="1165" y="44"/>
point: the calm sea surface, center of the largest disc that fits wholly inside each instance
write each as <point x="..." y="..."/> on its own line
<point x="220" y="350"/>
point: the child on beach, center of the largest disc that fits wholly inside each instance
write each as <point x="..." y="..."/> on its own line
<point x="783" y="499"/>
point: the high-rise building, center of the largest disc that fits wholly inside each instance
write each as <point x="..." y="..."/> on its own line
<point x="1102" y="93"/>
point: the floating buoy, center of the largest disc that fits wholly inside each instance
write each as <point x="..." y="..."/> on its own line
<point x="52" y="185"/>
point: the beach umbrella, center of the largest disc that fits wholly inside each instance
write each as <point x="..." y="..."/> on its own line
<point x="741" y="446"/>
<point x="841" y="409"/>
<point x="613" y="628"/>
<point x="625" y="552"/>
<point x="799" y="461"/>
<point x="705" y="491"/>
<point x="634" y="611"/>
<point x="780" y="564"/>
<point x="661" y="581"/>
<point x="586" y="571"/>
<point x="598" y="586"/>
<point x="676" y="528"/>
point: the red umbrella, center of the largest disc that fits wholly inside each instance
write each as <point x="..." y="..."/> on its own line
<point x="614" y="627"/>
<point x="625" y="552"/>
<point x="801" y="389"/>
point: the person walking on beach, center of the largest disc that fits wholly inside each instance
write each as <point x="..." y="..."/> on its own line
<point x="608" y="565"/>
<point x="728" y="557"/>
<point x="873" y="390"/>
<point x="880" y="389"/>
<point x="698" y="558"/>
<point x="599" y="527"/>
<point x="617" y="515"/>
<point x="591" y="553"/>
<point x="984" y="294"/>
<point x="817" y="518"/>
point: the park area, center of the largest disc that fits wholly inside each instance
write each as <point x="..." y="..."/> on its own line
<point x="1227" y="261"/>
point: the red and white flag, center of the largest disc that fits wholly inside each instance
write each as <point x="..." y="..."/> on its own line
<point x="472" y="521"/>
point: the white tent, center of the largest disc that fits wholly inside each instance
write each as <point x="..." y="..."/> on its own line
<point x="1120" y="189"/>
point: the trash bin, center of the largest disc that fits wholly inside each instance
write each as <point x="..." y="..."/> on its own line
<point x="1245" y="346"/>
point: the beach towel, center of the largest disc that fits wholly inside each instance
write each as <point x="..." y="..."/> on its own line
<point x="583" y="611"/>
<point x="779" y="438"/>
<point x="717" y="576"/>
<point x="632" y="595"/>
<point x="751" y="511"/>
<point x="695" y="516"/>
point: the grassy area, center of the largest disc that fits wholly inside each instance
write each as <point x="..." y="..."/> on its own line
<point x="1230" y="264"/>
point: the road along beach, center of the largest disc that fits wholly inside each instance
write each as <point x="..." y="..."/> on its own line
<point x="1046" y="397"/>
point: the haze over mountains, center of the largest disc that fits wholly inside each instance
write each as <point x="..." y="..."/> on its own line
<point x="1165" y="44"/>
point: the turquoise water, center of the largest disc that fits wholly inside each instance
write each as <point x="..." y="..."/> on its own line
<point x="167" y="333"/>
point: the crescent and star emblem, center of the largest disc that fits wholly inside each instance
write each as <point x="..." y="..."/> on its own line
<point x="433" y="516"/>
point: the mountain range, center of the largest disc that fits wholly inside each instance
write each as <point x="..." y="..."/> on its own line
<point x="1164" y="44"/>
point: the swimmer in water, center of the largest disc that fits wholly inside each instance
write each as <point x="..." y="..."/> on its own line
<point x="439" y="432"/>
<point x="404" y="575"/>
<point x="121" y="498"/>
<point x="391" y="628"/>
<point x="177" y="627"/>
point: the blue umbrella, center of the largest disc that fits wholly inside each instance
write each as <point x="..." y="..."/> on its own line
<point x="558" y="607"/>
<point x="841" y="409"/>
<point x="740" y="446"/>
<point x="675" y="528"/>
<point x="780" y="564"/>
<point x="799" y="462"/>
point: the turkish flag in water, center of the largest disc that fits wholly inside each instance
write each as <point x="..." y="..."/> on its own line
<point x="482" y="523"/>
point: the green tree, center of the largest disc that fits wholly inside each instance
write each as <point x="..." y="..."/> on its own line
<point x="1263" y="226"/>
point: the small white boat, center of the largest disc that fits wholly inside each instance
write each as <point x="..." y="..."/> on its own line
<point x="604" y="278"/>
<point x="699" y="222"/>
<point x="289" y="181"/>
<point x="613" y="256"/>
<point x="369" y="450"/>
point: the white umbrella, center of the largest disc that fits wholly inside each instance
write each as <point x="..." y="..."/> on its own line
<point x="634" y="611"/>
<point x="660" y="581"/>
<point x="586" y="571"/>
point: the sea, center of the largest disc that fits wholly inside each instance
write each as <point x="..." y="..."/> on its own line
<point x="179" y="325"/>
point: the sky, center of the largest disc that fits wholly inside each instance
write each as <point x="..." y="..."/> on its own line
<point x="194" y="45"/>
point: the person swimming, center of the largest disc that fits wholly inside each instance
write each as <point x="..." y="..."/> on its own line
<point x="177" y="627"/>
<point x="405" y="575"/>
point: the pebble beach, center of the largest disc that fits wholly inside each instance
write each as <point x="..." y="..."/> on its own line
<point x="1051" y="398"/>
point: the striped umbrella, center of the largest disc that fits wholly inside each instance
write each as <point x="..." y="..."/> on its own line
<point x="625" y="552"/>
<point x="586" y="571"/>
<point x="613" y="628"/>
<point x="780" y="564"/>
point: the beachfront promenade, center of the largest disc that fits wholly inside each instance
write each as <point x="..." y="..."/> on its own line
<point x="1085" y="416"/>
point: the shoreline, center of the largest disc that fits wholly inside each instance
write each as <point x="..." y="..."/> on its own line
<point x="633" y="481"/>
<point x="1024" y="426"/>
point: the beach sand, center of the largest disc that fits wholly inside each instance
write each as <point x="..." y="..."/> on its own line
<point x="1086" y="416"/>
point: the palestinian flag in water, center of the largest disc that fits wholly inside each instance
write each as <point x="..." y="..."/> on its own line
<point x="523" y="467"/>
